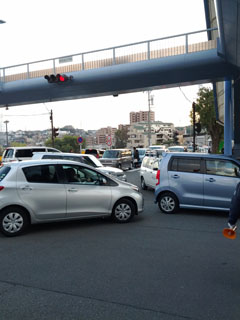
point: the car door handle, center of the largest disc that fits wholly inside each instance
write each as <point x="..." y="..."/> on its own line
<point x="211" y="180"/>
<point x="72" y="190"/>
<point x="175" y="176"/>
<point x="26" y="188"/>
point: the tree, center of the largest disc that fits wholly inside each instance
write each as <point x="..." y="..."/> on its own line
<point x="206" y="115"/>
<point x="66" y="144"/>
<point x="121" y="138"/>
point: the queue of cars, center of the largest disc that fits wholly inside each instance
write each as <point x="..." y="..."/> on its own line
<point x="57" y="186"/>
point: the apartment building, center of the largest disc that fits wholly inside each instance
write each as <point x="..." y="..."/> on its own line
<point x="141" y="116"/>
<point x="138" y="133"/>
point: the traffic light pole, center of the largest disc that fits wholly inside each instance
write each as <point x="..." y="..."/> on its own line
<point x="194" y="122"/>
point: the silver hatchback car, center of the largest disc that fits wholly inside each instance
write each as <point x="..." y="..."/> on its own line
<point x="196" y="181"/>
<point x="56" y="190"/>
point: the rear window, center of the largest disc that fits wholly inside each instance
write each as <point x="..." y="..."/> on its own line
<point x="91" y="151"/>
<point x="3" y="172"/>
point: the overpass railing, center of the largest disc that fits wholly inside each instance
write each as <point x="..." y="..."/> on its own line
<point x="140" y="51"/>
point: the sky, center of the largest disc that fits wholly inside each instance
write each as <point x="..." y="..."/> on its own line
<point x="43" y="29"/>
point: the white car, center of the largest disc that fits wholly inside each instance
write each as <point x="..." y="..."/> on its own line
<point x="88" y="159"/>
<point x="148" y="172"/>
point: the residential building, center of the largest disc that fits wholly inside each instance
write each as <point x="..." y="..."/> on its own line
<point x="160" y="133"/>
<point x="141" y="116"/>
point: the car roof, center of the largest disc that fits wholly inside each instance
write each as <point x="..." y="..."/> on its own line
<point x="63" y="154"/>
<point x="43" y="161"/>
<point x="200" y="154"/>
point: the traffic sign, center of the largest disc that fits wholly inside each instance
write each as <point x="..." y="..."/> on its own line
<point x="80" y="139"/>
<point x="109" y="141"/>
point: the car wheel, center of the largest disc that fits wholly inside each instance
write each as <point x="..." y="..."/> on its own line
<point x="143" y="185"/>
<point x="13" y="221"/>
<point x="168" y="203"/>
<point x="123" y="211"/>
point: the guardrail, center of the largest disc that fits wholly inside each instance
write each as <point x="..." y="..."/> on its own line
<point x="139" y="51"/>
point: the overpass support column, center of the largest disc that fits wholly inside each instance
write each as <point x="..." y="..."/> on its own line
<point x="236" y="120"/>
<point x="227" y="118"/>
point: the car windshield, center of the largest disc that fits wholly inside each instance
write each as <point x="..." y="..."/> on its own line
<point x="92" y="162"/>
<point x="141" y="152"/>
<point x="111" y="154"/>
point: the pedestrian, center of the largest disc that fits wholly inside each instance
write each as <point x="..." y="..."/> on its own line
<point x="234" y="212"/>
<point x="135" y="157"/>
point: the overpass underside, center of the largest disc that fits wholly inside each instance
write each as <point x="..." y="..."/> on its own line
<point x="116" y="73"/>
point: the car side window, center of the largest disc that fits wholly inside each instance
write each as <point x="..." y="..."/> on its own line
<point x="186" y="165"/>
<point x="83" y="176"/>
<point x="222" y="168"/>
<point x="41" y="174"/>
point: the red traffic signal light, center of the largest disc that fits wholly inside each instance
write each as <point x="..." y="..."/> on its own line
<point x="55" y="132"/>
<point x="59" y="78"/>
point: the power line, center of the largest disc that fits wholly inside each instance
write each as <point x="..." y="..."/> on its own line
<point x="185" y="95"/>
<point x="25" y="115"/>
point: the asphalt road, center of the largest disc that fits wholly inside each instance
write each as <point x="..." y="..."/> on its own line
<point x="167" y="267"/>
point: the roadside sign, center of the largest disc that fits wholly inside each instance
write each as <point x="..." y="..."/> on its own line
<point x="80" y="140"/>
<point x="109" y="141"/>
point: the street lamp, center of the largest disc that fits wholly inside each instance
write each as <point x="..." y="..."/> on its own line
<point x="6" y="122"/>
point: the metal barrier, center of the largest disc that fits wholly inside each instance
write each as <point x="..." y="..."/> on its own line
<point x="140" y="51"/>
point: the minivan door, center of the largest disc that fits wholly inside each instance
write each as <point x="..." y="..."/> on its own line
<point x="186" y="180"/>
<point x="220" y="180"/>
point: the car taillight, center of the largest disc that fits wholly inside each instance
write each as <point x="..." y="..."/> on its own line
<point x="158" y="177"/>
<point x="1" y="188"/>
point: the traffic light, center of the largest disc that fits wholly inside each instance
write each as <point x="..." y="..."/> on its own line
<point x="58" y="78"/>
<point x="55" y="132"/>
<point x="175" y="137"/>
<point x="198" y="127"/>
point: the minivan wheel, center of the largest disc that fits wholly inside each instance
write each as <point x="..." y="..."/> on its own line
<point x="168" y="203"/>
<point x="123" y="211"/>
<point x="143" y="185"/>
<point x="13" y="221"/>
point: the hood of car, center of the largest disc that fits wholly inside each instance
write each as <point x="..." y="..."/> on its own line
<point x="110" y="169"/>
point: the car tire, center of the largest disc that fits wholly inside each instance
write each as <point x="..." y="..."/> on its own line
<point x="13" y="221"/>
<point x="168" y="203"/>
<point x="143" y="184"/>
<point x="123" y="211"/>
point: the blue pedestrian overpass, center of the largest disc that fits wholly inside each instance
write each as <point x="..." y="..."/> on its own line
<point x="160" y="63"/>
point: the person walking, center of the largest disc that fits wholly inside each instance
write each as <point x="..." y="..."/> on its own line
<point x="135" y="157"/>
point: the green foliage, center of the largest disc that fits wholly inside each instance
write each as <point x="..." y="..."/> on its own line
<point x="206" y="115"/>
<point x="66" y="144"/>
<point x="18" y="144"/>
<point x="121" y="138"/>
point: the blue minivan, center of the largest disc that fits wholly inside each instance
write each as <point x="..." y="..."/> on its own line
<point x="196" y="181"/>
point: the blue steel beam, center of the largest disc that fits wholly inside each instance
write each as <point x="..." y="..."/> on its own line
<point x="185" y="69"/>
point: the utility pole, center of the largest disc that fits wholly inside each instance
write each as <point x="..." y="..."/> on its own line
<point x="51" y="119"/>
<point x="194" y="123"/>
<point x="150" y="102"/>
<point x="6" y="122"/>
